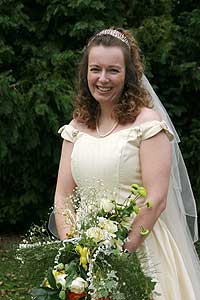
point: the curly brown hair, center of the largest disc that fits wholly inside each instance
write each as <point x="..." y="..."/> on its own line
<point x="133" y="97"/>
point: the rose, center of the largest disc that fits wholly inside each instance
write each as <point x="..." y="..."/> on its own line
<point x="74" y="296"/>
<point x="106" y="204"/>
<point x="78" y="285"/>
<point x="108" y="225"/>
<point x="95" y="233"/>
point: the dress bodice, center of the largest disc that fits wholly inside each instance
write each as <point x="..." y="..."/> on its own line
<point x="114" y="159"/>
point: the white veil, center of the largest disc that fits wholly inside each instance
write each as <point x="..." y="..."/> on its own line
<point x="180" y="215"/>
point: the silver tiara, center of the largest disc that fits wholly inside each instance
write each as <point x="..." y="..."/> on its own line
<point x="116" y="34"/>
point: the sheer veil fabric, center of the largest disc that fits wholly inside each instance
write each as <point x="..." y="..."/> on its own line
<point x="180" y="180"/>
<point x="180" y="215"/>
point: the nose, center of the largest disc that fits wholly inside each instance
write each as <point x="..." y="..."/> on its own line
<point x="103" y="76"/>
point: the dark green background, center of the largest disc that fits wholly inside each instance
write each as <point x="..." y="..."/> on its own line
<point x="40" y="46"/>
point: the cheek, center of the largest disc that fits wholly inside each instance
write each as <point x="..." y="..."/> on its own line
<point x="120" y="82"/>
<point x="91" y="80"/>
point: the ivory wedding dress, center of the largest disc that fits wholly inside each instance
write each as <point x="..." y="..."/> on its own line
<point x="114" y="160"/>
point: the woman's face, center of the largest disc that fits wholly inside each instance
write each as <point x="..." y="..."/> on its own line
<point x="106" y="73"/>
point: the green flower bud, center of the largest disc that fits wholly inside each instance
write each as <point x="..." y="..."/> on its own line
<point x="143" y="231"/>
<point x="136" y="209"/>
<point x="134" y="191"/>
<point x="62" y="295"/>
<point x="149" y="204"/>
<point x="132" y="201"/>
<point x="142" y="191"/>
<point x="134" y="188"/>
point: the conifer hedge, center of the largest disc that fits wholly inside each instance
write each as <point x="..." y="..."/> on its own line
<point x="40" y="45"/>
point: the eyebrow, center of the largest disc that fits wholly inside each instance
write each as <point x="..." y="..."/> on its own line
<point x="110" y="66"/>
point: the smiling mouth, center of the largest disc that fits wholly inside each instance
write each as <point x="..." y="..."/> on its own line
<point x="104" y="89"/>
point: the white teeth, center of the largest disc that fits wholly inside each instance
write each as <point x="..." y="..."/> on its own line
<point x="104" y="89"/>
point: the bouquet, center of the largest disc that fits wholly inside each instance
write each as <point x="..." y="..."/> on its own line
<point x="92" y="264"/>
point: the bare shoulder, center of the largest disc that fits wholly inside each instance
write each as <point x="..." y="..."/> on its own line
<point x="147" y="114"/>
<point x="77" y="125"/>
<point x="74" y="123"/>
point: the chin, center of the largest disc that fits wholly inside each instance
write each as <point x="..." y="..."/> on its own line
<point x="104" y="99"/>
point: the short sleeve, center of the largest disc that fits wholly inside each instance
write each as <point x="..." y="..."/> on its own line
<point x="68" y="133"/>
<point x="149" y="129"/>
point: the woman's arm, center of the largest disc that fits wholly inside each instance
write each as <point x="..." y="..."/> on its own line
<point x="64" y="188"/>
<point x="155" y="159"/>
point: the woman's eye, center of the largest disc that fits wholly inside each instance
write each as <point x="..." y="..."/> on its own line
<point x="94" y="70"/>
<point x="114" y="70"/>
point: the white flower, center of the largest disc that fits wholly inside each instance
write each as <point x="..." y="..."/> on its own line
<point x="106" y="204"/>
<point x="108" y="243"/>
<point x="113" y="243"/>
<point x="108" y="225"/>
<point x="95" y="233"/>
<point x="60" y="267"/>
<point x="78" y="285"/>
<point x="60" y="278"/>
<point x="127" y="221"/>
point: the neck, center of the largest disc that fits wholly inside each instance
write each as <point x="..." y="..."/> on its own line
<point x="105" y="124"/>
<point x="105" y="113"/>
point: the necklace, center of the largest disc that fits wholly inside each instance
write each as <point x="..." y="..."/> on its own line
<point x="107" y="133"/>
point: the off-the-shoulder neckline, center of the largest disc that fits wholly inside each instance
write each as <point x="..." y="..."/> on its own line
<point x="77" y="131"/>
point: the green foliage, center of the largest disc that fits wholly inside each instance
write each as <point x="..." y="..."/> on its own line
<point x="17" y="279"/>
<point x="45" y="293"/>
<point x="138" y="286"/>
<point x="51" y="278"/>
<point x="40" y="46"/>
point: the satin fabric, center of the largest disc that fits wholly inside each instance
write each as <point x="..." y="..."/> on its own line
<point x="114" y="160"/>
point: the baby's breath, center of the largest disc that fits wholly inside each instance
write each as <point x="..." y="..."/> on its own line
<point x="90" y="262"/>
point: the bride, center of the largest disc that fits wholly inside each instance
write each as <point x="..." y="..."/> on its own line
<point x="121" y="134"/>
